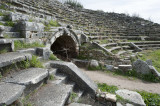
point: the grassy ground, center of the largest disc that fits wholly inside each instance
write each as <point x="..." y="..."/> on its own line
<point x="154" y="56"/>
<point x="150" y="99"/>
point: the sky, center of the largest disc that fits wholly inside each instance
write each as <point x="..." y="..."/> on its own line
<point x="148" y="9"/>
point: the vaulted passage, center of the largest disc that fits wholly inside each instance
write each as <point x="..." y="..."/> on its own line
<point x="64" y="47"/>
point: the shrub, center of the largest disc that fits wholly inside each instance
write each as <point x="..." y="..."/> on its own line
<point x="73" y="4"/>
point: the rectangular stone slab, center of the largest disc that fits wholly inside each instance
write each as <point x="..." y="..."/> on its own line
<point x="76" y="76"/>
<point x="52" y="95"/>
<point x="28" y="76"/>
<point x="10" y="93"/>
<point x="13" y="57"/>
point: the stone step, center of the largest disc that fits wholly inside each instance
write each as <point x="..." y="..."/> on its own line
<point x="28" y="76"/>
<point x="12" y="34"/>
<point x="13" y="57"/>
<point x="149" y="45"/>
<point x="78" y="104"/>
<point x="114" y="48"/>
<point x="109" y="45"/>
<point x="10" y="93"/>
<point x="7" y="45"/>
<point x="29" y="50"/>
<point x="52" y="95"/>
<point x="121" y="52"/>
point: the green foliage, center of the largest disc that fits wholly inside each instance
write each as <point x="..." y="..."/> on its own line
<point x="52" y="57"/>
<point x="21" y="45"/>
<point x="51" y="24"/>
<point x="1" y="14"/>
<point x="150" y="99"/>
<point x="51" y="77"/>
<point x="9" y="23"/>
<point x="107" y="88"/>
<point x="34" y="62"/>
<point x="54" y="23"/>
<point x="147" y="77"/>
<point x="94" y="68"/>
<point x="122" y="100"/>
<point x="73" y="96"/>
<point x="0" y="75"/>
<point x="3" y="51"/>
<point x="1" y="23"/>
<point x="152" y="55"/>
<point x="2" y="7"/>
<point x="73" y="4"/>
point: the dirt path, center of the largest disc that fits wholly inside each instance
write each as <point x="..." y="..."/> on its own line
<point x="123" y="82"/>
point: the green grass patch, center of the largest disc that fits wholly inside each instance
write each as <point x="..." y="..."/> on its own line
<point x="1" y="23"/>
<point x="73" y="96"/>
<point x="51" y="77"/>
<point x="53" y="57"/>
<point x="152" y="55"/>
<point x="105" y="41"/>
<point x="1" y="14"/>
<point x="9" y="23"/>
<point x="51" y="24"/>
<point x="150" y="99"/>
<point x="107" y="88"/>
<point x="4" y="50"/>
<point x="20" y="45"/>
<point x="34" y="62"/>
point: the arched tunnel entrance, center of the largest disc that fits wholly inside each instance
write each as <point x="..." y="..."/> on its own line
<point x="64" y="48"/>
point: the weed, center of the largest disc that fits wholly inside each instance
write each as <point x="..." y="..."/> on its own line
<point x="1" y="23"/>
<point x="73" y="96"/>
<point x="54" y="23"/>
<point x="4" y="50"/>
<point x="21" y="45"/>
<point x="1" y="14"/>
<point x="150" y="99"/>
<point x="51" y="77"/>
<point x="107" y="88"/>
<point x="9" y="23"/>
<point x="52" y="57"/>
<point x="94" y="68"/>
<point x="34" y="62"/>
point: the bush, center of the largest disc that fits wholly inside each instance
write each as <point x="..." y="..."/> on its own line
<point x="73" y="4"/>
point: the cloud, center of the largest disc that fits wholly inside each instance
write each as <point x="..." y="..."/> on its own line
<point x="145" y="8"/>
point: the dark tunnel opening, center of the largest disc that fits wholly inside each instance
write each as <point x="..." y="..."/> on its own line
<point x="64" y="48"/>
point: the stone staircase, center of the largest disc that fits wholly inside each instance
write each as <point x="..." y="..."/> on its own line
<point x="45" y="86"/>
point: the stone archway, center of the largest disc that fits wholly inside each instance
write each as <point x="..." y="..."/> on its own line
<point x="64" y="44"/>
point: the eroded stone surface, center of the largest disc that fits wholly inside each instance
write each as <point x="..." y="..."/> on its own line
<point x="141" y="67"/>
<point x="132" y="96"/>
<point x="10" y="93"/>
<point x="52" y="95"/>
<point x="29" y="76"/>
<point x="78" y="104"/>
<point x="11" y="58"/>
